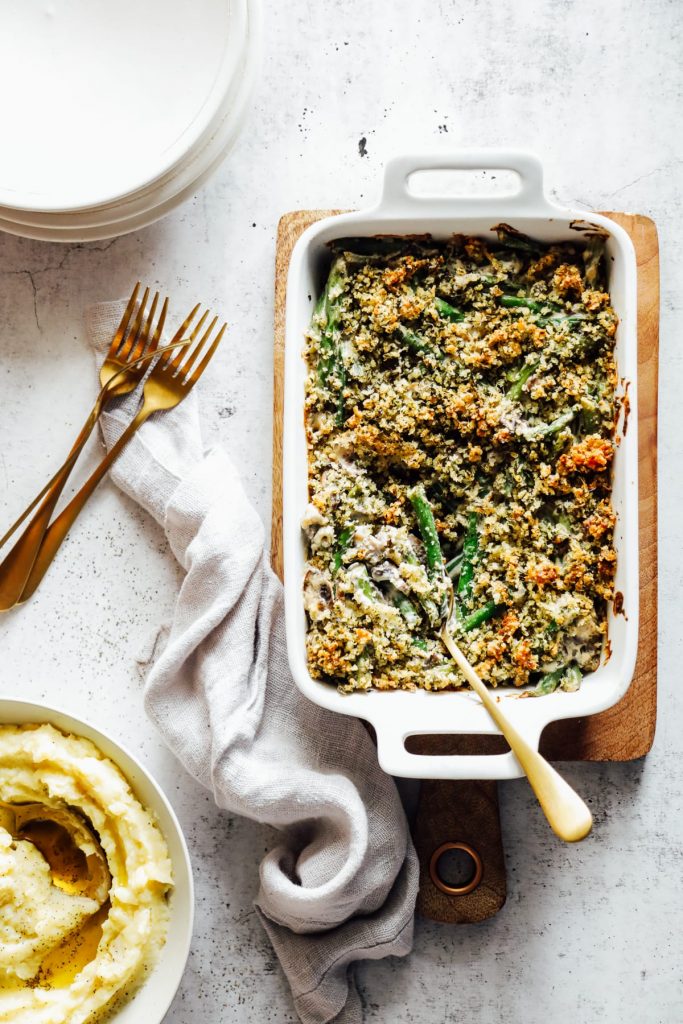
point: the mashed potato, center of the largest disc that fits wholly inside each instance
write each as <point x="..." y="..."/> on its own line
<point x="84" y="876"/>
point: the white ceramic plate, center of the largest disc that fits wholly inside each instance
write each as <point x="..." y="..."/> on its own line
<point x="147" y="206"/>
<point x="150" y="1003"/>
<point x="182" y="173"/>
<point x="115" y="94"/>
<point x="398" y="715"/>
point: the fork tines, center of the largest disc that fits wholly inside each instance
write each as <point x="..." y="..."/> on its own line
<point x="133" y="340"/>
<point x="183" y="363"/>
<point x="135" y="337"/>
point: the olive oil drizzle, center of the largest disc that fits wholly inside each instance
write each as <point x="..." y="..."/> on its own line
<point x="64" y="962"/>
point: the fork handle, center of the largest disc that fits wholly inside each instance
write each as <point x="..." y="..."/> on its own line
<point x="107" y="392"/>
<point x="53" y="537"/>
<point x="63" y="471"/>
<point x="15" y="569"/>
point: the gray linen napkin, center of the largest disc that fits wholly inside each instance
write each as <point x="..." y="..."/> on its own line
<point x="341" y="885"/>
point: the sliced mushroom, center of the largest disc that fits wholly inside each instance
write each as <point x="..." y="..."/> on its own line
<point x="318" y="594"/>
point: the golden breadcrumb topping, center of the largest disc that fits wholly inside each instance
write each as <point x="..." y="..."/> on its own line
<point x="460" y="417"/>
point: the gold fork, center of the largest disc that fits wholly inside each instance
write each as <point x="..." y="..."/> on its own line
<point x="126" y="353"/>
<point x="171" y="379"/>
<point x="567" y="814"/>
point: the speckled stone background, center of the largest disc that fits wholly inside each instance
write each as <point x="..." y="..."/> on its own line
<point x="590" y="933"/>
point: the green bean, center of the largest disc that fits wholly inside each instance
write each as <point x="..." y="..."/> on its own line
<point x="327" y="358"/>
<point x="572" y="679"/>
<point x="365" y="585"/>
<point x="566" y="318"/>
<point x="328" y="310"/>
<point x="557" y="318"/>
<point x="480" y="616"/>
<point x="536" y="306"/>
<point x="341" y="373"/>
<point x="426" y="526"/>
<point x="449" y="312"/>
<point x="319" y="310"/>
<point x="341" y="546"/>
<point x="515" y="392"/>
<point x="431" y="610"/>
<point x="516" y="301"/>
<point x="549" y="682"/>
<point x="514" y="239"/>
<point x="419" y="642"/>
<point x="590" y="419"/>
<point x="405" y="606"/>
<point x="428" y="606"/>
<point x="590" y="413"/>
<point x="546" y="429"/>
<point x="335" y="281"/>
<point x="454" y="565"/>
<point x="592" y="257"/>
<point x="411" y="339"/>
<point x="331" y="362"/>
<point x="470" y="548"/>
<point x="567" y="677"/>
<point x="565" y="522"/>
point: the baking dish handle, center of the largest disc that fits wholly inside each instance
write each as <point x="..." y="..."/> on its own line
<point x="528" y="200"/>
<point x="394" y="759"/>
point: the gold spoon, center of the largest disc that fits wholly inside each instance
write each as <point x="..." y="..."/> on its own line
<point x="567" y="814"/>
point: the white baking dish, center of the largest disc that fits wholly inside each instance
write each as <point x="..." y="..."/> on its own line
<point x="398" y="715"/>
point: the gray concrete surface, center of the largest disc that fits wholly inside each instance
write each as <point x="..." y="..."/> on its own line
<point x="590" y="933"/>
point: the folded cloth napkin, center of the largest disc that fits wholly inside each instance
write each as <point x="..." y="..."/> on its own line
<point x="341" y="885"/>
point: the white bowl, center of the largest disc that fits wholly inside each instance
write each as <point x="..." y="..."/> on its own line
<point x="148" y="1005"/>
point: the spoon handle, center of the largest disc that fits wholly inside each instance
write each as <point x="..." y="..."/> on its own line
<point x="567" y="814"/>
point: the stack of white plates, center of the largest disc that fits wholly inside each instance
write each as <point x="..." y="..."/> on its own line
<point x="114" y="113"/>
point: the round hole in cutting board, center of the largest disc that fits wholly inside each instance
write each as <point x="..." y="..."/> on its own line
<point x="456" y="868"/>
<point x="439" y="182"/>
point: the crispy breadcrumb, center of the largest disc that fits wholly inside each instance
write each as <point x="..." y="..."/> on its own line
<point x="481" y="375"/>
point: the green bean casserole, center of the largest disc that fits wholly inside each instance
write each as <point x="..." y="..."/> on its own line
<point x="460" y="418"/>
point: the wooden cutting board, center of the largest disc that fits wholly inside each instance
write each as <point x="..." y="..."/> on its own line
<point x="466" y="813"/>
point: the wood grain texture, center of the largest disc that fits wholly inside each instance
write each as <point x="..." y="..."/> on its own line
<point x="468" y="811"/>
<point x="460" y="812"/>
<point x="290" y="228"/>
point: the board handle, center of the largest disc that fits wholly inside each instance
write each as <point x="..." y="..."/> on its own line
<point x="529" y="199"/>
<point x="462" y="816"/>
